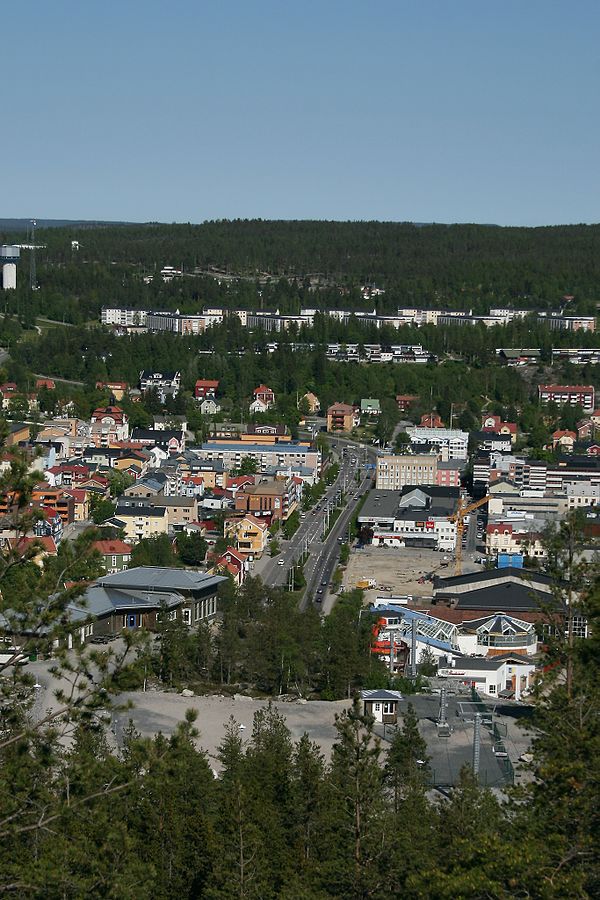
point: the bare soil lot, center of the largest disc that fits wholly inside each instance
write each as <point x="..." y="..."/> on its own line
<point x="399" y="569"/>
<point x="155" y="712"/>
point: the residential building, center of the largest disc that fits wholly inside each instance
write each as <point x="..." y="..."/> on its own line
<point x="123" y="317"/>
<point x="514" y="537"/>
<point x="312" y="402"/>
<point x="116" y="553"/>
<point x="568" y="395"/>
<point x="117" y="389"/>
<point x="169" y="423"/>
<point x="342" y="417"/>
<point x="291" y="455"/>
<point x="169" y="440"/>
<point x="179" y="511"/>
<point x="449" y="442"/>
<point x="370" y="407"/>
<point x="209" y="407"/>
<point x="150" y="485"/>
<point x="140" y="522"/>
<point x="431" y="420"/>
<point x="582" y="494"/>
<point x="449" y="473"/>
<point x="273" y="499"/>
<point x="265" y="395"/>
<point x="249" y="533"/>
<point x="492" y="441"/>
<point x="49" y="525"/>
<point x="564" y="439"/>
<point x="56" y="498"/>
<point x="579" y="356"/>
<point x="81" y="503"/>
<point x="497" y="426"/>
<point x="405" y="401"/>
<point x="109" y="424"/>
<point x="206" y="389"/>
<point x="164" y="383"/>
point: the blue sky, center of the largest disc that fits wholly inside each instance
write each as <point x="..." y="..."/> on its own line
<point x="464" y="111"/>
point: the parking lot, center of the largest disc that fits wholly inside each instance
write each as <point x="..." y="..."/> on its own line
<point x="399" y="570"/>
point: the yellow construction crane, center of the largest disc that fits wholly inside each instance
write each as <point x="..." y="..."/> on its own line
<point x="459" y="517"/>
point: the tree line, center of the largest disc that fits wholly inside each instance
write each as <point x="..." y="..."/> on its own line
<point x="303" y="263"/>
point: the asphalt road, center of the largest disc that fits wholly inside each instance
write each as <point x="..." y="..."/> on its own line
<point x="323" y="552"/>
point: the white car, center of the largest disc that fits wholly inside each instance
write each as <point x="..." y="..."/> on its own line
<point x="280" y="562"/>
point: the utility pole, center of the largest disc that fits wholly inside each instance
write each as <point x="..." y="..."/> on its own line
<point x="476" y="744"/>
<point x="443" y="707"/>
<point x="33" y="285"/>
<point x="392" y="650"/>
<point x="413" y="648"/>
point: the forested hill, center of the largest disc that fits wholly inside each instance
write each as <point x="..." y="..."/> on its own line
<point x="452" y="265"/>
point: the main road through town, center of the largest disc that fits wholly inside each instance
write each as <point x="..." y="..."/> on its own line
<point x="314" y="537"/>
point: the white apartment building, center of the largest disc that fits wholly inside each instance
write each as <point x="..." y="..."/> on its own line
<point x="582" y="494"/>
<point x="451" y="442"/>
<point x="124" y="317"/>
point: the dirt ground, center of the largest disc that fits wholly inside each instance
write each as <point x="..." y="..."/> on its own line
<point x="400" y="570"/>
<point x="155" y="711"/>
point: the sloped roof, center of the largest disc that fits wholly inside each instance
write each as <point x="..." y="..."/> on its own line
<point x="156" y="578"/>
<point x="381" y="695"/>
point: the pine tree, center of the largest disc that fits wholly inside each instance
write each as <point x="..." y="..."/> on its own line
<point x="407" y="763"/>
<point x="358" y="841"/>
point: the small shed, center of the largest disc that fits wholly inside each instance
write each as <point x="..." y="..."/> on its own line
<point x="382" y="705"/>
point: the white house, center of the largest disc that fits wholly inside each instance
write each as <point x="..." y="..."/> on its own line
<point x="509" y="674"/>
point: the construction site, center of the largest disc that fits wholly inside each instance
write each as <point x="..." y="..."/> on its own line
<point x="403" y="571"/>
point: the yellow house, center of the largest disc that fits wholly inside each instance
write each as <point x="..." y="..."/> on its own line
<point x="82" y="503"/>
<point x="250" y="534"/>
<point x="142" y="522"/>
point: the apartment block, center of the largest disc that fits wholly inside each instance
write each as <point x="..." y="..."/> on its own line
<point x="568" y="395"/>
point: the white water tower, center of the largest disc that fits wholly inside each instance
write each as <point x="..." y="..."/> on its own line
<point x="9" y="256"/>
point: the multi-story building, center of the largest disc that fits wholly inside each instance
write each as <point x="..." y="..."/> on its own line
<point x="568" y="395"/>
<point x="514" y="538"/>
<point x="116" y="553"/>
<point x="165" y="383"/>
<point x="342" y="417"/>
<point x="264" y="395"/>
<point x="394" y="472"/>
<point x="412" y="517"/>
<point x="179" y="511"/>
<point x="558" y="322"/>
<point x="450" y="442"/>
<point x="289" y="455"/>
<point x="176" y="322"/>
<point x="275" y="499"/>
<point x="46" y="496"/>
<point x="582" y="494"/>
<point x="123" y="317"/>
<point x="139" y="522"/>
<point x="206" y="389"/>
<point x="250" y="534"/>
<point x="109" y="424"/>
<point x="405" y="401"/>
